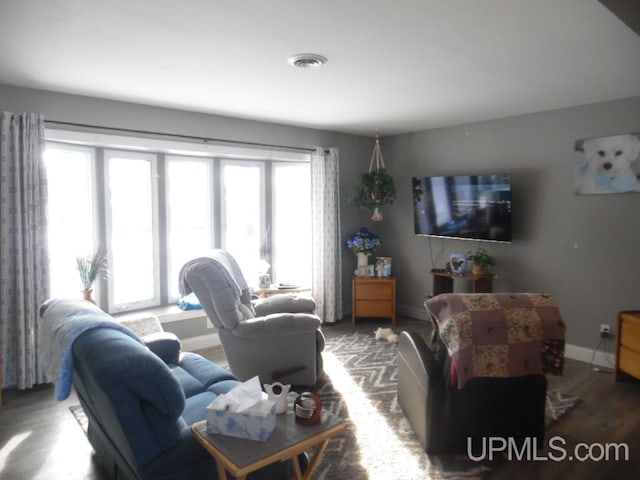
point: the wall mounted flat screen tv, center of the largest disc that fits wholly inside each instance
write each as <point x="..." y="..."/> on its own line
<point x="465" y="207"/>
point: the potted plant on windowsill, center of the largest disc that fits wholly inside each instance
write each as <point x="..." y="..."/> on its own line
<point x="90" y="268"/>
<point x="483" y="262"/>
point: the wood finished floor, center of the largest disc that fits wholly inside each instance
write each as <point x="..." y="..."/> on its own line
<point x="40" y="439"/>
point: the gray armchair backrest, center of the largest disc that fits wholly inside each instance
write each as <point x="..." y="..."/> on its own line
<point x="266" y="342"/>
<point x="220" y="287"/>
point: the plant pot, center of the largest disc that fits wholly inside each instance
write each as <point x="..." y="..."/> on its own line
<point x="363" y="263"/>
<point x="479" y="270"/>
<point x="88" y="296"/>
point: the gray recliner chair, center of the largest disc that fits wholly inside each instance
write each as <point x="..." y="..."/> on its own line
<point x="277" y="338"/>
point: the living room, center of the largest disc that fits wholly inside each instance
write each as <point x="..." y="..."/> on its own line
<point x="580" y="248"/>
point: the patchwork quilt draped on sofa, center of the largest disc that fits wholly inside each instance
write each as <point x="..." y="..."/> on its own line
<point x="499" y="334"/>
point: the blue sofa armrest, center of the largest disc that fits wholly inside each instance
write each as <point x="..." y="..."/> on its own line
<point x="165" y="345"/>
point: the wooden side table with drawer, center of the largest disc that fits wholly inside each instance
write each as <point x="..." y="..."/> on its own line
<point x="628" y="348"/>
<point x="374" y="297"/>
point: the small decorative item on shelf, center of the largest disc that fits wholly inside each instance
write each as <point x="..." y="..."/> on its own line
<point x="90" y="268"/>
<point x="483" y="262"/>
<point x="458" y="262"/>
<point x="377" y="188"/>
<point x="383" y="267"/>
<point x="307" y="408"/>
<point x="277" y="392"/>
<point x="264" y="278"/>
<point x="363" y="243"/>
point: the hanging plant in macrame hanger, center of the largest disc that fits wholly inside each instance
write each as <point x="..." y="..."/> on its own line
<point x="377" y="189"/>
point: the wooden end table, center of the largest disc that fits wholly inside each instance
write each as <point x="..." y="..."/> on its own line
<point x="240" y="457"/>
<point x="374" y="297"/>
<point x="443" y="282"/>
<point x="628" y="345"/>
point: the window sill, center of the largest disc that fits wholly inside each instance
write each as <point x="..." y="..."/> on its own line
<point x="166" y="314"/>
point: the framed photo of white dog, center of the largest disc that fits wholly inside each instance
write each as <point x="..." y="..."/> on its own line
<point x="608" y="164"/>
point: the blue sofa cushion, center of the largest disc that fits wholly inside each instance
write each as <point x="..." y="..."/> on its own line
<point x="196" y="407"/>
<point x="202" y="371"/>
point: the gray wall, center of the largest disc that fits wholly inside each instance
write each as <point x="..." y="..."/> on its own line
<point x="582" y="249"/>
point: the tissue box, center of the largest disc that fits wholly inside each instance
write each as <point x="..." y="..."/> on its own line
<point x="255" y="423"/>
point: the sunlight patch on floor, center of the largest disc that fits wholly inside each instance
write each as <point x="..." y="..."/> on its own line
<point x="382" y="452"/>
<point x="13" y="443"/>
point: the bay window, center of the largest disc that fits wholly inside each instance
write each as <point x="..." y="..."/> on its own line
<point x="154" y="210"/>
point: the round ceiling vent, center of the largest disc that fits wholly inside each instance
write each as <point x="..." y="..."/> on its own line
<point x="307" y="60"/>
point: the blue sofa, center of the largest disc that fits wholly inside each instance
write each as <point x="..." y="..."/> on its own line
<point x="140" y="404"/>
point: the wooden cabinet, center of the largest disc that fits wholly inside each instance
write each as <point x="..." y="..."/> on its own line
<point x="443" y="282"/>
<point x="374" y="297"/>
<point x="628" y="348"/>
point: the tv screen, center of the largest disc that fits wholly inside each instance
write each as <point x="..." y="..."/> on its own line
<point x="466" y="207"/>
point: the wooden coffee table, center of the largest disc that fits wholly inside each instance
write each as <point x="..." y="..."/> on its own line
<point x="240" y="457"/>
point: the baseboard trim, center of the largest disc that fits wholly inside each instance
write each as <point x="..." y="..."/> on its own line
<point x="200" y="342"/>
<point x="600" y="358"/>
<point x="412" y="312"/>
<point x="402" y="310"/>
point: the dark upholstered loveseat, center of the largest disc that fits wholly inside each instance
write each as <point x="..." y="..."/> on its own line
<point x="444" y="417"/>
<point x="140" y="405"/>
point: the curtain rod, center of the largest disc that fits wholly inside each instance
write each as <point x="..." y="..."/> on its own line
<point x="178" y="135"/>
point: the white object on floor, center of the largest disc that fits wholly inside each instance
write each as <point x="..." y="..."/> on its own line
<point x="386" y="334"/>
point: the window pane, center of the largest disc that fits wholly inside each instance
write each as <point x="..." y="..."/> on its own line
<point x="132" y="228"/>
<point x="71" y="217"/>
<point x="292" y="224"/>
<point x="242" y="216"/>
<point x="190" y="216"/>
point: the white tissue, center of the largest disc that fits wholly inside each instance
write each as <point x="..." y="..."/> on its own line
<point x="241" y="398"/>
<point x="244" y="412"/>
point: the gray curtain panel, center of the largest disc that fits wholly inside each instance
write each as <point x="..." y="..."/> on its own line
<point x="326" y="284"/>
<point x="24" y="272"/>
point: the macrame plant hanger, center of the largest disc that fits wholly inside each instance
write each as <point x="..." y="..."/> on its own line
<point x="376" y="157"/>
<point x="378" y="161"/>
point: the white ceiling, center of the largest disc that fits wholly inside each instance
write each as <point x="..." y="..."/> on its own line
<point x="394" y="66"/>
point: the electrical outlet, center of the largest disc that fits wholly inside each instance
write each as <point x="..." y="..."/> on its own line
<point x="605" y="330"/>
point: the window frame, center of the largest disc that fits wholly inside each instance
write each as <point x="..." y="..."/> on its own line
<point x="273" y="233"/>
<point x="156" y="300"/>
<point x="263" y="166"/>
<point x="94" y="199"/>
<point x="213" y="182"/>
<point x="163" y="150"/>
